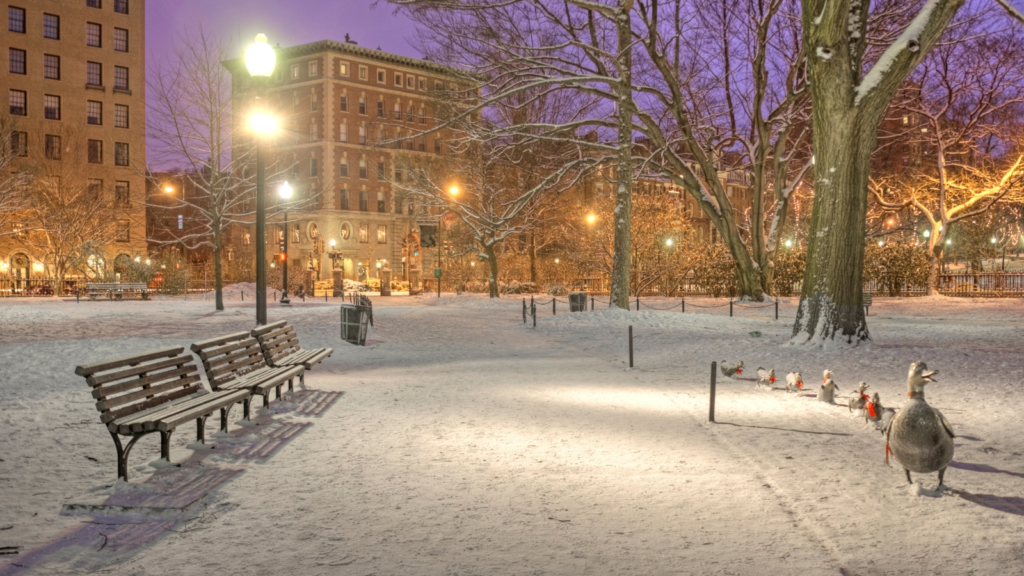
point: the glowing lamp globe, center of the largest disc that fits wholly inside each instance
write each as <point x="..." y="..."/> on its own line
<point x="454" y="191"/>
<point x="262" y="123"/>
<point x="668" y="242"/>
<point x="285" y="191"/>
<point x="332" y="243"/>
<point x="260" y="58"/>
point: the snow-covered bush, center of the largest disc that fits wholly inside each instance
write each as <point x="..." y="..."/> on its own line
<point x="715" y="271"/>
<point x="558" y="290"/>
<point x="895" y="266"/>
<point x="789" y="270"/>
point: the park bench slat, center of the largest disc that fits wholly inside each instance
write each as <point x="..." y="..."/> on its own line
<point x="97" y="380"/>
<point x="210" y="346"/>
<point x="129" y="412"/>
<point x="149" y="380"/>
<point x="236" y="360"/>
<point x="89" y="369"/>
<point x="280" y="345"/>
<point x="112" y="403"/>
<point x="226" y="398"/>
<point x="262" y="330"/>
<point x="139" y="423"/>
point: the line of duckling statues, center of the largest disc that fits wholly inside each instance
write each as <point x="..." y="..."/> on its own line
<point x="917" y="435"/>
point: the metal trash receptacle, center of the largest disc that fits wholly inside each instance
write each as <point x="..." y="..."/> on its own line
<point x="355" y="320"/>
<point x="578" y="302"/>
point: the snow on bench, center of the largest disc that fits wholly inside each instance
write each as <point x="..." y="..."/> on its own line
<point x="116" y="290"/>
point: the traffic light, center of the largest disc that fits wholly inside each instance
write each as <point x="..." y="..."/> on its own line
<point x="282" y="256"/>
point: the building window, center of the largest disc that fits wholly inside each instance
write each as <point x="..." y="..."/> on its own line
<point x="16" y="19"/>
<point x="380" y="108"/>
<point x="313" y="168"/>
<point x="410" y="82"/>
<point x="423" y="116"/>
<point x="362" y="134"/>
<point x="423" y="85"/>
<point x="437" y="145"/>
<point x="312" y="102"/>
<point x="94" y="112"/>
<point x="364" y="206"/>
<point x="120" y="153"/>
<point x="398" y="174"/>
<point x="397" y="112"/>
<point x="295" y="71"/>
<point x="93" y="3"/>
<point x="51" y="26"/>
<point x="437" y="86"/>
<point x="51" y="66"/>
<point x="362" y="72"/>
<point x="343" y="69"/>
<point x="409" y="115"/>
<point x="19" y="143"/>
<point x="122" y="192"/>
<point x="364" y="232"/>
<point x="362" y="169"/>
<point x="382" y="234"/>
<point x="121" y="6"/>
<point x="343" y="168"/>
<point x="123" y="231"/>
<point x="382" y="203"/>
<point x="343" y="133"/>
<point x="17" y="100"/>
<point x="93" y="33"/>
<point x="16" y="61"/>
<point x="120" y="78"/>
<point x="120" y="116"/>
<point x="95" y="188"/>
<point x="343" y="200"/>
<point x="51" y="107"/>
<point x="362" y="105"/>
<point x="120" y="40"/>
<point x="398" y="79"/>
<point x="93" y="74"/>
<point x="313" y="70"/>
<point x="95" y="152"/>
<point x="344" y="103"/>
<point x="312" y="132"/>
<point x="381" y="169"/>
<point x="421" y="143"/>
<point x="52" y="147"/>
<point x="380" y="76"/>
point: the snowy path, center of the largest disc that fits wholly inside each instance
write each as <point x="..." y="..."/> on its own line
<point x="465" y="443"/>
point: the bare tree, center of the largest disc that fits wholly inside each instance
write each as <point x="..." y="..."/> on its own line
<point x="14" y="177"/>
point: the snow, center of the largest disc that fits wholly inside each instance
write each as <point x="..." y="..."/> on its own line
<point x="465" y="442"/>
<point x="824" y="53"/>
<point x="907" y="40"/>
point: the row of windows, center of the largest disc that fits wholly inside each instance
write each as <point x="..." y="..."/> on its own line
<point x="51" y="29"/>
<point x="412" y="113"/>
<point x="18" y="101"/>
<point x="399" y="79"/>
<point x="120" y="6"/>
<point x="364" y="201"/>
<point x="53" y="148"/>
<point x="17" y="63"/>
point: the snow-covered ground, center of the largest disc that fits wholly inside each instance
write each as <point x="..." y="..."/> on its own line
<point x="460" y="441"/>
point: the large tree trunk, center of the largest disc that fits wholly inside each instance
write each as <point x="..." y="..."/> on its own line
<point x="830" y="302"/>
<point x="533" y="257"/>
<point x="218" y="275"/>
<point x="624" y="163"/>
<point x="492" y="262"/>
<point x="934" y="264"/>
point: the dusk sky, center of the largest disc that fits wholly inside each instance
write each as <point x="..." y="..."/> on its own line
<point x="286" y="22"/>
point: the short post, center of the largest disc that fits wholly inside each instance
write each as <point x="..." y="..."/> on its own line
<point x="591" y="303"/>
<point x="730" y="308"/>
<point x="776" y="309"/>
<point x="637" y="303"/>
<point x="325" y="296"/>
<point x="78" y="297"/>
<point x="554" y="303"/>
<point x="630" y="346"/>
<point x="684" y="305"/>
<point x="711" y="408"/>
<point x="533" y="311"/>
<point x="275" y="295"/>
<point x="524" y="310"/>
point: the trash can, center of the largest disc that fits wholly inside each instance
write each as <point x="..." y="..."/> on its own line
<point x="354" y="322"/>
<point x="385" y="282"/>
<point x="578" y="302"/>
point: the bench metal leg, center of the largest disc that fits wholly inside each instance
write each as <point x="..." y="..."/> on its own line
<point x="122" y="453"/>
<point x="245" y="408"/>
<point x="266" y="400"/>
<point x="302" y="379"/>
<point x="201" y="429"/>
<point x="224" y="418"/>
<point x="291" y="388"/>
<point x="277" y="389"/>
<point x="165" y="445"/>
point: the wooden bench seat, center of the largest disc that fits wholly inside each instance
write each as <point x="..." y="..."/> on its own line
<point x="235" y="362"/>
<point x="154" y="392"/>
<point x="116" y="290"/>
<point x="280" y="346"/>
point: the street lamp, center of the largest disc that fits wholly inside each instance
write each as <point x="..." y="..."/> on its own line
<point x="285" y="192"/>
<point x="259" y="61"/>
<point x="169" y="189"/>
<point x="668" y="242"/>
<point x="591" y="219"/>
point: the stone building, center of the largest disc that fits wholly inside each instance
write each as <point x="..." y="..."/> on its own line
<point x="345" y="111"/>
<point x="75" y="85"/>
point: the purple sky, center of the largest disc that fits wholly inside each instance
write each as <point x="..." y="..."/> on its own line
<point x="287" y="22"/>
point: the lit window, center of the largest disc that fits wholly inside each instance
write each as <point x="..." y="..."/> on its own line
<point x="51" y="26"/>
<point x="364" y="229"/>
<point x="343" y="69"/>
<point x="93" y="34"/>
<point x="382" y="234"/>
<point x="181" y="223"/>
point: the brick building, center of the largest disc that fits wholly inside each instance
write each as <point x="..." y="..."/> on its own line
<point x="336" y="102"/>
<point x="75" y="84"/>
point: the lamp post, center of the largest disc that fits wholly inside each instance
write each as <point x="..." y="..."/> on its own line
<point x="285" y="192"/>
<point x="259" y="60"/>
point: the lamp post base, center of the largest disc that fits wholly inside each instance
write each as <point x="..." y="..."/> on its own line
<point x="284" y="299"/>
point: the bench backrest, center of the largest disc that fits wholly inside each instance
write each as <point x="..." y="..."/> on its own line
<point x="278" y="340"/>
<point x="115" y="285"/>
<point x="226" y="357"/>
<point x="128" y="385"/>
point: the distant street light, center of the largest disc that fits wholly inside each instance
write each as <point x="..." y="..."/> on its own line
<point x="169" y="189"/>
<point x="454" y="190"/>
<point x="285" y="192"/>
<point x="260" y="59"/>
<point x="591" y="219"/>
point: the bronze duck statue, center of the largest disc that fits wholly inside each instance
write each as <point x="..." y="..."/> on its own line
<point x="919" y="436"/>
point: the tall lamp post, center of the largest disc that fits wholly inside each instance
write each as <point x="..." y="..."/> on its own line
<point x="260" y="60"/>
<point x="285" y="192"/>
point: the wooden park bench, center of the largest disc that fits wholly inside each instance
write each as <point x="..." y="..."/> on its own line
<point x="280" y="347"/>
<point x="867" y="299"/>
<point x="154" y="392"/>
<point x="117" y="290"/>
<point x="235" y="362"/>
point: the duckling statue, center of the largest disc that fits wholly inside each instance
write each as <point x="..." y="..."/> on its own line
<point x="765" y="378"/>
<point x="827" y="391"/>
<point x="876" y="413"/>
<point x="919" y="436"/>
<point x="860" y="398"/>
<point x="731" y="370"/>
<point x="794" y="382"/>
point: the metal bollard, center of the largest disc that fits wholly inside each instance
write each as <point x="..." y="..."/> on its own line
<point x="711" y="407"/>
<point x="637" y="303"/>
<point x="533" y="311"/>
<point x="78" y="296"/>
<point x="325" y="296"/>
<point x="242" y="294"/>
<point x="630" y="346"/>
<point x="554" y="302"/>
<point x="524" y="310"/>
<point x="684" y="305"/>
<point x="776" y="309"/>
<point x="591" y="303"/>
<point x="730" y="308"/>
